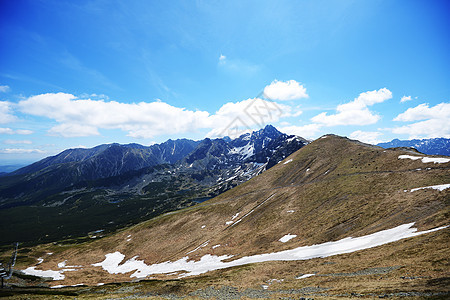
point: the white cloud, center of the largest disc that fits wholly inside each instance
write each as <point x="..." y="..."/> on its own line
<point x="285" y="90"/>
<point x="6" y="115"/>
<point x="83" y="117"/>
<point x="434" y="121"/>
<point x="23" y="131"/>
<point x="309" y="131"/>
<point x="4" y="88"/>
<point x="405" y="98"/>
<point x="355" y="112"/>
<point x="12" y="142"/>
<point x="424" y="112"/>
<point x="73" y="130"/>
<point x="373" y="97"/>
<point x="370" y="137"/>
<point x="347" y="117"/>
<point x="17" y="131"/>
<point x="20" y="151"/>
<point x="222" y="58"/>
<point x="6" y="131"/>
<point x="235" y="118"/>
<point x="426" y="129"/>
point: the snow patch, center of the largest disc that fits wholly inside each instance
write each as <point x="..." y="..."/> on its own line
<point x="229" y="222"/>
<point x="291" y="139"/>
<point x="215" y="246"/>
<point x="288" y="161"/>
<point x="231" y="178"/>
<point x="436" y="160"/>
<point x="439" y="187"/>
<point x="244" y="151"/>
<point x="287" y="238"/>
<point x="62" y="264"/>
<point x="55" y="275"/>
<point x="62" y="286"/>
<point x="304" y="276"/>
<point x="209" y="262"/>
<point x="291" y="211"/>
<point x="203" y="226"/>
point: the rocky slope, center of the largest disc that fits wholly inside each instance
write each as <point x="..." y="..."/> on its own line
<point x="323" y="194"/>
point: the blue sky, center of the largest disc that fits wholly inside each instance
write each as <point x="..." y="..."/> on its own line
<point x="83" y="73"/>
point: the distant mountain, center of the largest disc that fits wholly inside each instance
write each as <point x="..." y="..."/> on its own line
<point x="436" y="146"/>
<point x="225" y="163"/>
<point x="5" y="169"/>
<point x="113" y="159"/>
<point x="112" y="185"/>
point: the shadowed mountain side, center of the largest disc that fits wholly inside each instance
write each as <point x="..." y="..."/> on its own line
<point x="111" y="186"/>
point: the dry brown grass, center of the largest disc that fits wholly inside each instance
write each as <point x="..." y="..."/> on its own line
<point x="336" y="189"/>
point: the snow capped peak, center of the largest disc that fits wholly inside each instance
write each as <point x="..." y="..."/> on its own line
<point x="244" y="151"/>
<point x="246" y="137"/>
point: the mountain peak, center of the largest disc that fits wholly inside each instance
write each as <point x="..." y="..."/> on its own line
<point x="270" y="130"/>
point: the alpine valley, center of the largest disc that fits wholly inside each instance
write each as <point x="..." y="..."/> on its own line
<point x="331" y="219"/>
<point x="84" y="192"/>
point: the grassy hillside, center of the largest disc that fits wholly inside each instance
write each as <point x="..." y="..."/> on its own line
<point x="332" y="189"/>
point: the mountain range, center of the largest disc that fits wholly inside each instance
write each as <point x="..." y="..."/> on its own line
<point x="435" y="146"/>
<point x="109" y="186"/>
<point x="336" y="218"/>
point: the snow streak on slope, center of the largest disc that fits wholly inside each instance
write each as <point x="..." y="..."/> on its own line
<point x="211" y="262"/>
<point x="439" y="187"/>
<point x="288" y="161"/>
<point x="436" y="160"/>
